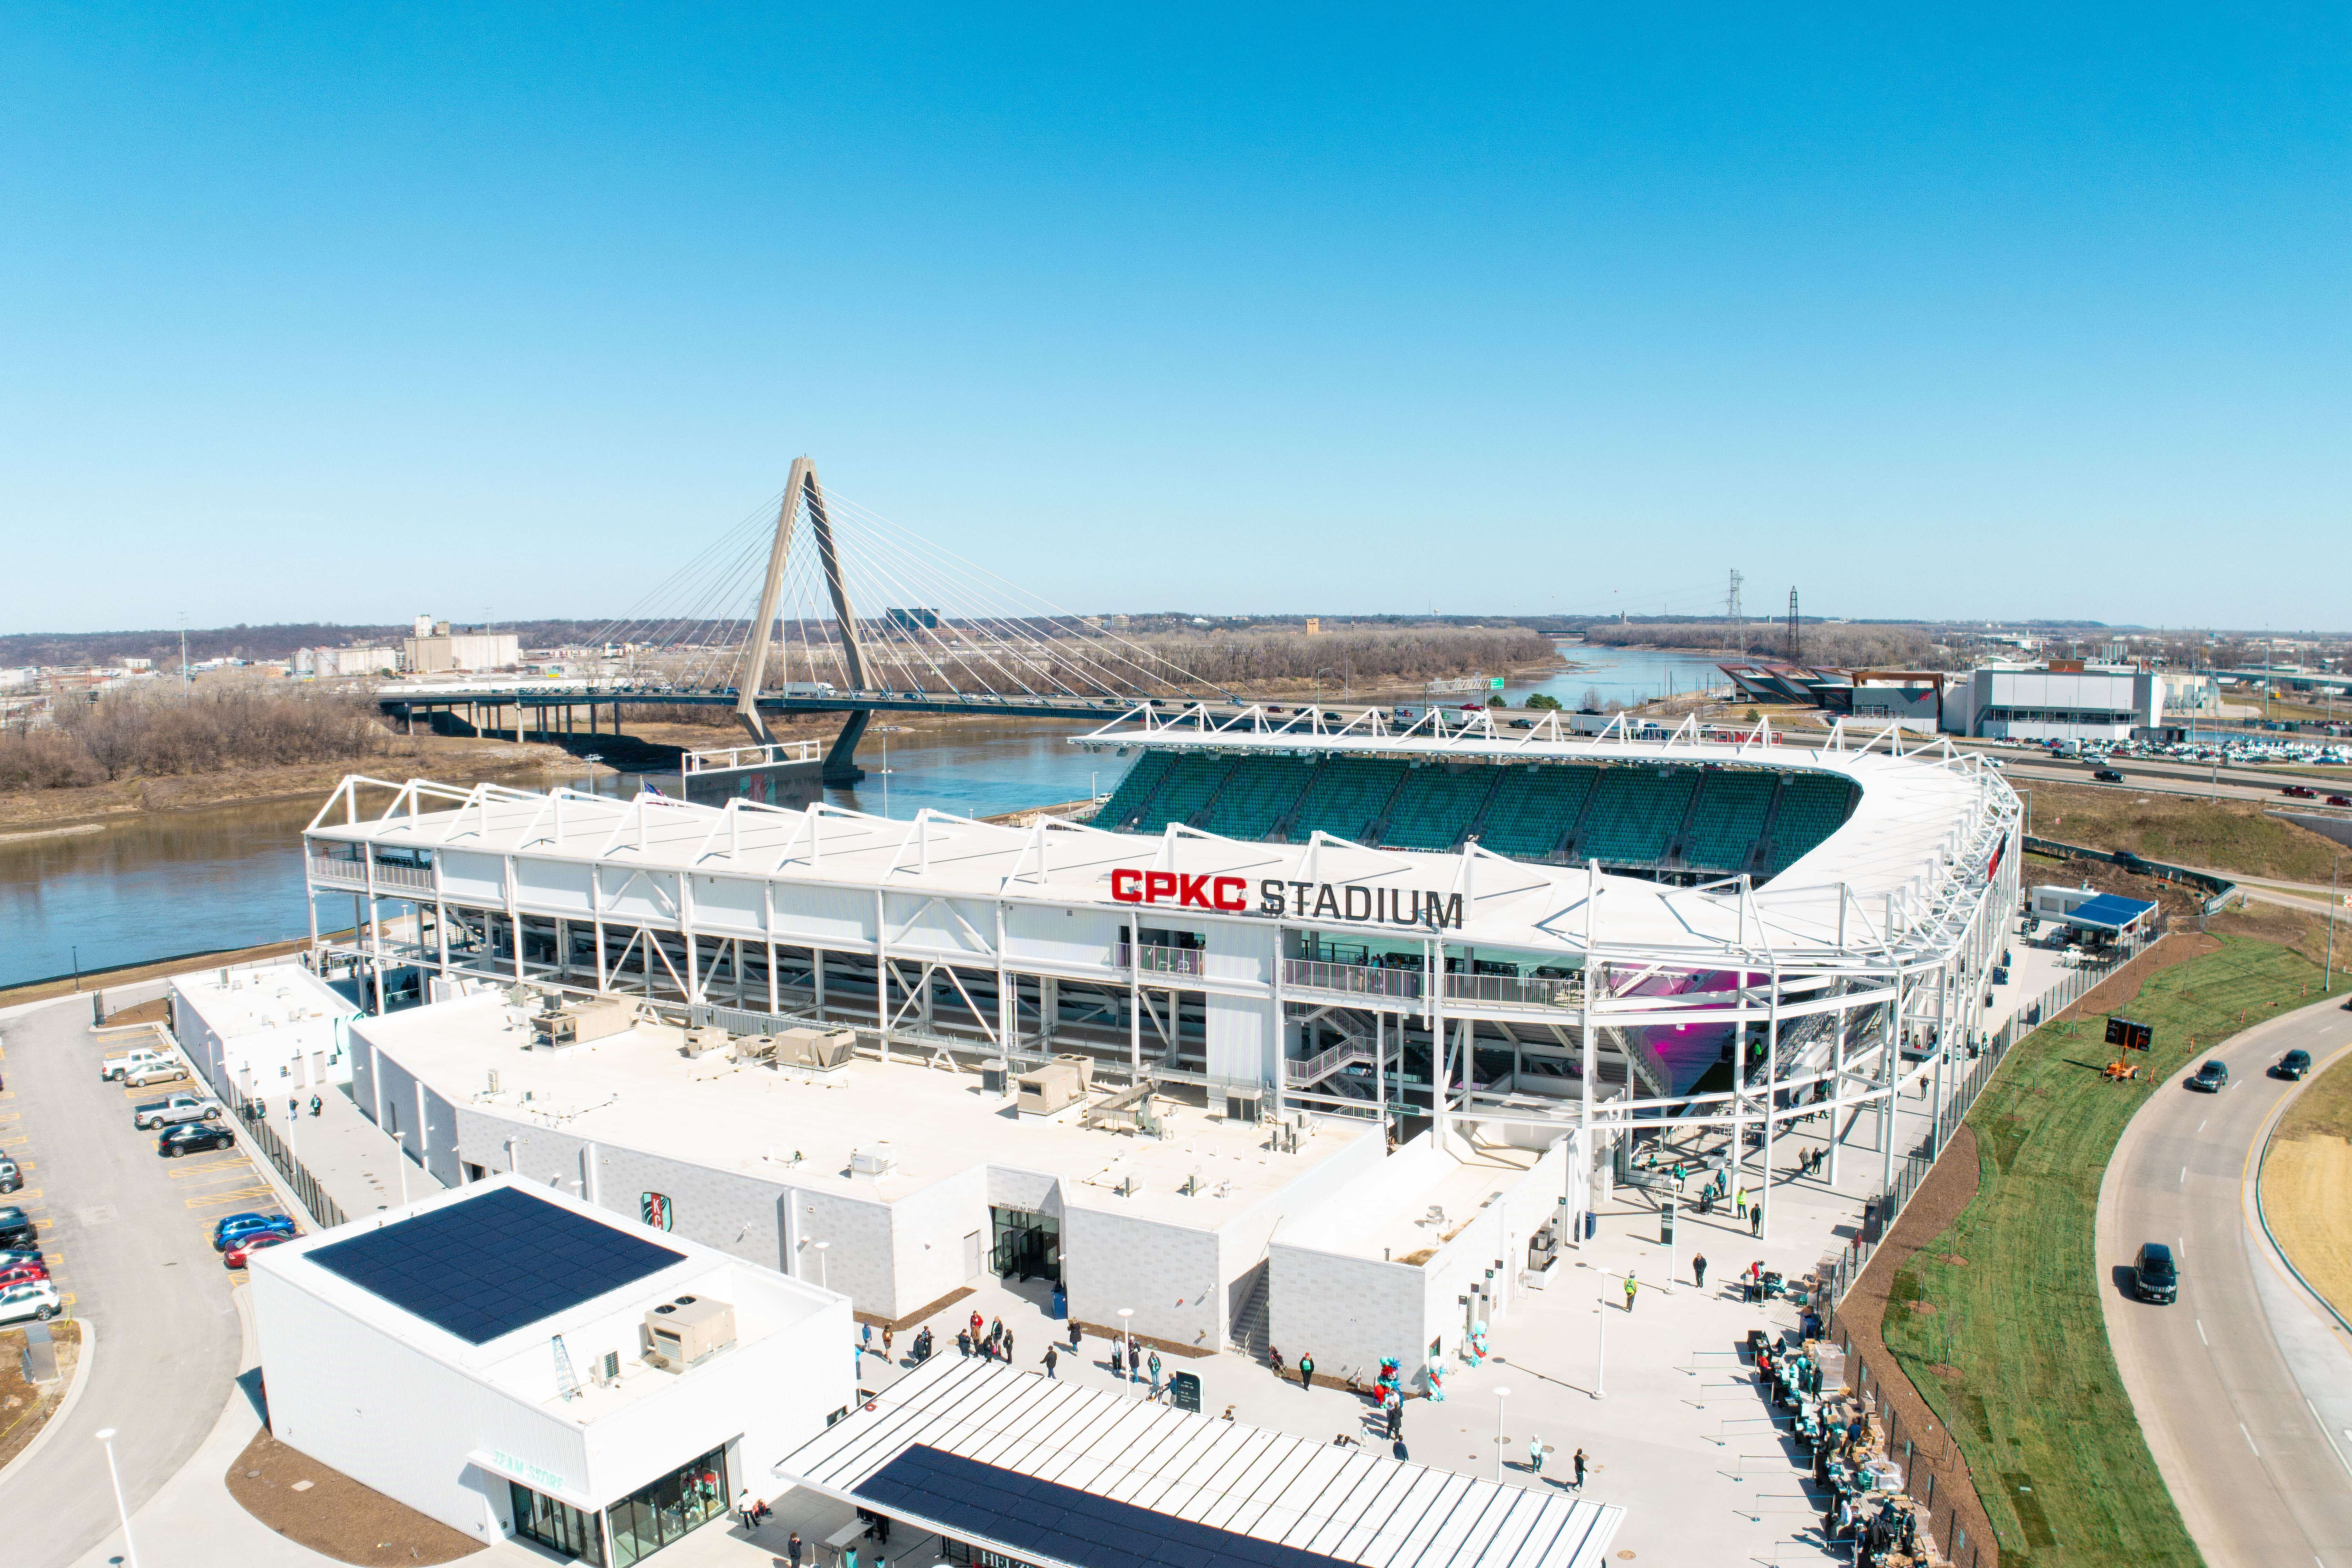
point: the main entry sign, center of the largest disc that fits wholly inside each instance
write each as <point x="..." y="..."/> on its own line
<point x="1303" y="900"/>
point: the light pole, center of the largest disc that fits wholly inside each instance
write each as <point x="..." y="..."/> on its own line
<point x="121" y="1509"/>
<point x="1127" y="1339"/>
<point x="1500" y="1394"/>
<point x="1600" y="1343"/>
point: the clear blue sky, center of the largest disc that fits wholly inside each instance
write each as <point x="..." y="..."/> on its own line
<point x="350" y="312"/>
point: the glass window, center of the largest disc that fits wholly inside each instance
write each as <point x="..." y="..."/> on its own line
<point x="656" y="1515"/>
<point x="557" y="1526"/>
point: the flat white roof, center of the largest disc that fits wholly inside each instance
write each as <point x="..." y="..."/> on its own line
<point x="519" y="1362"/>
<point x="1353" y="1504"/>
<point x="1921" y="825"/>
<point x="268" y="997"/>
<point x="639" y="1090"/>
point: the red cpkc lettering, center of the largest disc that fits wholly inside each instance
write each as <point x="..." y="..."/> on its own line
<point x="1129" y="885"/>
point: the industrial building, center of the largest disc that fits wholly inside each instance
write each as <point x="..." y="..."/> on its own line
<point x="432" y="648"/>
<point x="274" y="1029"/>
<point x="338" y="663"/>
<point x="1276" y="937"/>
<point x="2061" y="701"/>
<point x="512" y="1362"/>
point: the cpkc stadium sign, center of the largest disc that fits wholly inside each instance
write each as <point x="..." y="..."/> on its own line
<point x="1278" y="897"/>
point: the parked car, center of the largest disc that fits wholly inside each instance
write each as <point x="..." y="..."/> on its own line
<point x="238" y="1226"/>
<point x="2107" y="776"/>
<point x="12" y="1176"/>
<point x="194" y="1138"/>
<point x="180" y="1108"/>
<point x="2294" y="1064"/>
<point x="2154" y="1277"/>
<point x="2212" y="1077"/>
<point x="15" y="1254"/>
<point x="168" y="1071"/>
<point x="37" y="1300"/>
<point x="22" y="1274"/>
<point x="236" y="1252"/>
<point x="114" y="1064"/>
<point x="16" y="1228"/>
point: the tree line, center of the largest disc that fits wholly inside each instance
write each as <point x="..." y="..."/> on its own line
<point x="130" y="735"/>
<point x="1846" y="647"/>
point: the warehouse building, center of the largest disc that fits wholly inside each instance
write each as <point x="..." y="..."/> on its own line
<point x="274" y="1029"/>
<point x="510" y="1360"/>
<point x="2061" y="701"/>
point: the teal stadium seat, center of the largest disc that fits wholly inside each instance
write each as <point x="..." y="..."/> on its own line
<point x="1189" y="786"/>
<point x="1533" y="809"/>
<point x="1812" y="806"/>
<point x="1134" y="792"/>
<point x="1436" y="807"/>
<point x="1634" y="815"/>
<point x="1258" y="797"/>
<point x="1728" y="820"/>
<point x="1345" y="798"/>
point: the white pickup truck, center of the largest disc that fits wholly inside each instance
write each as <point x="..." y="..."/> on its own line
<point x="179" y="1108"/>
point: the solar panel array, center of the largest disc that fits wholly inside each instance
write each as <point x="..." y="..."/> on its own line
<point x="1044" y="1519"/>
<point x="490" y="1265"/>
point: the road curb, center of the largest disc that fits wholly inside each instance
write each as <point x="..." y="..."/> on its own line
<point x="2262" y="1215"/>
<point x="65" y="1406"/>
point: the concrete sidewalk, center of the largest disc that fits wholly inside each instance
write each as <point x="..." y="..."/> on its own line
<point x="360" y="1166"/>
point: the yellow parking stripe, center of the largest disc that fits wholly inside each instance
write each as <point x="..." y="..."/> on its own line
<point x="184" y="1166"/>
<point x="236" y="1195"/>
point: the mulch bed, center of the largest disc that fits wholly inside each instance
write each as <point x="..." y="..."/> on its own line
<point x="26" y="1407"/>
<point x="334" y="1515"/>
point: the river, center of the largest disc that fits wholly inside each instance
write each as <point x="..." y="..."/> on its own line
<point x="231" y="877"/>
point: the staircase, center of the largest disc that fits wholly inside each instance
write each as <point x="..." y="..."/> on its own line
<point x="1248" y="1336"/>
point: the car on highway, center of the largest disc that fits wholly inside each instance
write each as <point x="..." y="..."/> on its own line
<point x="234" y="1255"/>
<point x="12" y="1176"/>
<point x="238" y="1226"/>
<point x="2300" y="792"/>
<point x="2294" y="1064"/>
<point x="192" y="1138"/>
<point x="180" y="1108"/>
<point x="2154" y="1277"/>
<point x="37" y="1300"/>
<point x="2107" y="776"/>
<point x="16" y="1228"/>
<point x="2339" y="800"/>
<point x="2212" y="1077"/>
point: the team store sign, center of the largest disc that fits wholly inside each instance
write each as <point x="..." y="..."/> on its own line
<point x="1278" y="897"/>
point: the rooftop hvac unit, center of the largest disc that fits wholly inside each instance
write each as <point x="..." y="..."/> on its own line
<point x="1059" y="1083"/>
<point x="689" y="1331"/>
<point x="822" y="1049"/>
<point x="702" y="1041"/>
<point x="875" y="1160"/>
<point x="577" y="1023"/>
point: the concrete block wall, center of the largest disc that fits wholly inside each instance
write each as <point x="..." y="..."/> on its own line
<point x="1346" y="1312"/>
<point x="1168" y="1274"/>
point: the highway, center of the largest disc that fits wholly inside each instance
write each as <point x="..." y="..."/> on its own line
<point x="2244" y="1387"/>
<point x="127" y="1233"/>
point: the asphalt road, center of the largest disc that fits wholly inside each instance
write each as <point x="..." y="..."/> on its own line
<point x="2244" y="1387"/>
<point x="128" y="1235"/>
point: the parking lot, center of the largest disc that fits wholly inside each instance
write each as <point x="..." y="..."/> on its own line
<point x="127" y="1237"/>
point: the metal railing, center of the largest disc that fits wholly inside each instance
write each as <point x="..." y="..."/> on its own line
<point x="325" y="1212"/>
<point x="1153" y="959"/>
<point x="333" y="868"/>
<point x="1354" y="979"/>
<point x="1510" y="991"/>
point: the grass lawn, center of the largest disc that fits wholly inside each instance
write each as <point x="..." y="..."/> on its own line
<point x="2014" y="1356"/>
<point x="2224" y="834"/>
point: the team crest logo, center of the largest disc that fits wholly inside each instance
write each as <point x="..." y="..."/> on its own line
<point x="655" y="1210"/>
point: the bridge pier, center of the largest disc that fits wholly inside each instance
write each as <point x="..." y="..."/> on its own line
<point x="840" y="765"/>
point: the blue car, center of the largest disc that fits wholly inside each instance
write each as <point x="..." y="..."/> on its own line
<point x="240" y="1225"/>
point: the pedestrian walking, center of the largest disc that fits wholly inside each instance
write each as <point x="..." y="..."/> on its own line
<point x="1118" y="1360"/>
<point x="1274" y="1358"/>
<point x="1155" y="1375"/>
<point x="1578" y="1462"/>
<point x="886" y="1336"/>
<point x="1740" y="1201"/>
<point x="865" y="1337"/>
<point x="1074" y="1336"/>
<point x="1534" y="1458"/>
<point x="963" y="1343"/>
<point x="293" y="1107"/>
<point x="1756" y="1221"/>
<point x="1306" y="1371"/>
<point x="1396" y="1419"/>
<point x="792" y="1550"/>
<point x="1008" y="1347"/>
<point x="975" y="1328"/>
<point x="1630" y="1285"/>
<point x="1049" y="1363"/>
<point x="314" y="1105"/>
<point x="743" y="1509"/>
<point x="1699" y="1270"/>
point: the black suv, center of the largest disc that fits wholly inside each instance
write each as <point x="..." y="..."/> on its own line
<point x="2107" y="776"/>
<point x="2212" y="1077"/>
<point x="190" y="1137"/>
<point x="16" y="1228"/>
<point x="2154" y="1277"/>
<point x="2294" y="1064"/>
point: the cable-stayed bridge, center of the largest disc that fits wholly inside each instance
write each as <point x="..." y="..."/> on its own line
<point x="814" y="604"/>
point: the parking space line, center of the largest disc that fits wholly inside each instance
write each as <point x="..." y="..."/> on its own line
<point x="233" y="1195"/>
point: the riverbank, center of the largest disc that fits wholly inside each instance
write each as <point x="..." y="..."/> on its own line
<point x="28" y="814"/>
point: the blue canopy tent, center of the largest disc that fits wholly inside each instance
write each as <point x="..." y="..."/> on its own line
<point x="2109" y="913"/>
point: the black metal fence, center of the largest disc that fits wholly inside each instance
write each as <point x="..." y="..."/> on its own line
<point x="254" y="1117"/>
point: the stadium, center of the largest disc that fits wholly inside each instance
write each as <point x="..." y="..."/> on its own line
<point x="1443" y="922"/>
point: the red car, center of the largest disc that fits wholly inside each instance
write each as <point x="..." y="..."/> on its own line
<point x="237" y="1251"/>
<point x="22" y="1274"/>
<point x="2339" y="800"/>
<point x="2300" y="792"/>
